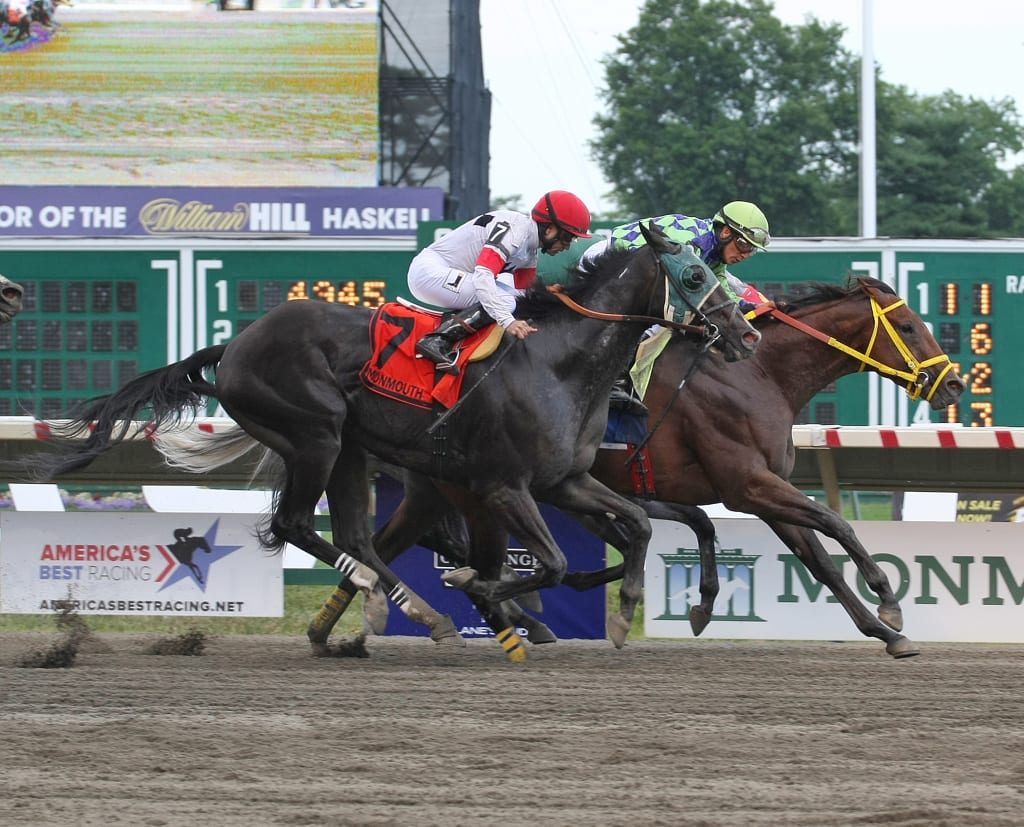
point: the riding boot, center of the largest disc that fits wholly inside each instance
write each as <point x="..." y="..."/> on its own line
<point x="439" y="346"/>
<point x="621" y="399"/>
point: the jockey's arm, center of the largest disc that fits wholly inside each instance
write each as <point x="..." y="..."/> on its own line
<point x="485" y="284"/>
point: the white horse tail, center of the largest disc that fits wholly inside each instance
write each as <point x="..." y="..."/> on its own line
<point x="199" y="452"/>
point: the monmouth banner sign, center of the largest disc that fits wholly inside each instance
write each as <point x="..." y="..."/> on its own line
<point x="956" y="582"/>
<point x="219" y="212"/>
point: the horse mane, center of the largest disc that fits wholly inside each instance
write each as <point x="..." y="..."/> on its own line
<point x="811" y="293"/>
<point x="538" y="301"/>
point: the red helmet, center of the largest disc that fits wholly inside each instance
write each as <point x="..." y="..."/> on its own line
<point x="565" y="211"/>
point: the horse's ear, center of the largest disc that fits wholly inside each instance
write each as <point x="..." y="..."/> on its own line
<point x="657" y="240"/>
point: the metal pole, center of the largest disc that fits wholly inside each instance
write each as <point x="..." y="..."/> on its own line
<point x="868" y="167"/>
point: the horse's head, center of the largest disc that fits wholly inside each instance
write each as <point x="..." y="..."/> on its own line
<point x="890" y="338"/>
<point x="694" y="295"/>
<point x="906" y="350"/>
<point x="11" y="295"/>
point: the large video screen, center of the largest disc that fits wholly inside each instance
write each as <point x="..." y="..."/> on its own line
<point x="183" y="93"/>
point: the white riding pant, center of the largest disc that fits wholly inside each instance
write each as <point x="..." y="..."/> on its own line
<point x="432" y="281"/>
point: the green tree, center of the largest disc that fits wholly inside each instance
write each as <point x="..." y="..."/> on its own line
<point x="1004" y="205"/>
<point x="939" y="166"/>
<point x="711" y="101"/>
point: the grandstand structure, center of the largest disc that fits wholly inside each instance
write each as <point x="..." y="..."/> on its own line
<point x="435" y="110"/>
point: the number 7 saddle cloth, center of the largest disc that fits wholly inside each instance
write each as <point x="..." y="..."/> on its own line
<point x="396" y="372"/>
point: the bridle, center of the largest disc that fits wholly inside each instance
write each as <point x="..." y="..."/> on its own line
<point x="675" y="282"/>
<point x="915" y="375"/>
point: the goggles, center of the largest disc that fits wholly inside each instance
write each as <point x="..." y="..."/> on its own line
<point x="749" y="239"/>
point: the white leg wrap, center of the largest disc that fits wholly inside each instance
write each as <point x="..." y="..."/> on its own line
<point x="363" y="577"/>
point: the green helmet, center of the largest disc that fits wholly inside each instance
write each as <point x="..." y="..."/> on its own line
<point x="747" y="220"/>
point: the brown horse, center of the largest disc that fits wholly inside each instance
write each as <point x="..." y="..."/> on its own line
<point x="727" y="437"/>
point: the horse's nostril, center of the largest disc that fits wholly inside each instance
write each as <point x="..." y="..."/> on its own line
<point x="11" y="294"/>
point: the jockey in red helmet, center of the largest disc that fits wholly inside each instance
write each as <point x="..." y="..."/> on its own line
<point x="483" y="266"/>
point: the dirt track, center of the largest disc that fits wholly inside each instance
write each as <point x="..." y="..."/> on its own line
<point x="256" y="732"/>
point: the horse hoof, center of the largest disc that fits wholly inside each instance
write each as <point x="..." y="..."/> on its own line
<point x="618" y="628"/>
<point x="539" y="634"/>
<point x="893" y="618"/>
<point x="699" y="620"/>
<point x="902" y="647"/>
<point x="375" y="613"/>
<point x="459" y="578"/>
<point x="444" y="632"/>
<point x="317" y="637"/>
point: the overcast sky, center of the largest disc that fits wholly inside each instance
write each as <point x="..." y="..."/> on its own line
<point x="542" y="63"/>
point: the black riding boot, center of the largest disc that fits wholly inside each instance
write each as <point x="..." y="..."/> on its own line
<point x="621" y="399"/>
<point x="438" y="346"/>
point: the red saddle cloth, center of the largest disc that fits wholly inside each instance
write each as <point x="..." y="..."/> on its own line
<point x="394" y="371"/>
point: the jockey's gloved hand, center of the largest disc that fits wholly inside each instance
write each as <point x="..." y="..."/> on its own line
<point x="745" y="306"/>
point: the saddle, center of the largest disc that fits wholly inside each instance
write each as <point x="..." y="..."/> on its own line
<point x="393" y="369"/>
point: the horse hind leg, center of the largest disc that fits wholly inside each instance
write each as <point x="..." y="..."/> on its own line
<point x="295" y="512"/>
<point x="584" y="495"/>
<point x="348" y="499"/>
<point x="415" y="512"/>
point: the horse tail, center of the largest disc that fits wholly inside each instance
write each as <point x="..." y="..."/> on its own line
<point x="167" y="394"/>
<point x="199" y="452"/>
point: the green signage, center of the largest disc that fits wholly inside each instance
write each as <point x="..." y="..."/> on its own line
<point x="96" y="317"/>
<point x="98" y="314"/>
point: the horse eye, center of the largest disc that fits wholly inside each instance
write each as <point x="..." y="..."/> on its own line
<point x="907" y="329"/>
<point x="697" y="275"/>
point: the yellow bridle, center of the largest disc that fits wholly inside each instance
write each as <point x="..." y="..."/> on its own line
<point x="915" y="376"/>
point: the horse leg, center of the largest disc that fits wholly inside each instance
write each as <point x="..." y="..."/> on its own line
<point x="809" y="550"/>
<point x="420" y="507"/>
<point x="349" y="499"/>
<point x="889" y="611"/>
<point x="472" y="537"/>
<point x="775" y="500"/>
<point x="518" y="512"/>
<point x="689" y="515"/>
<point x="488" y="551"/>
<point x="582" y="494"/>
<point x="418" y="510"/>
<point x="700" y="524"/>
<point x="309" y="449"/>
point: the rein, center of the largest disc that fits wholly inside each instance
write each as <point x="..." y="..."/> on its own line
<point x="915" y="377"/>
<point x="707" y="330"/>
<point x="559" y="292"/>
<point x="668" y="407"/>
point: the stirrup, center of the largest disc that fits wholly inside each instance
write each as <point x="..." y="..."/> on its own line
<point x="445" y="362"/>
